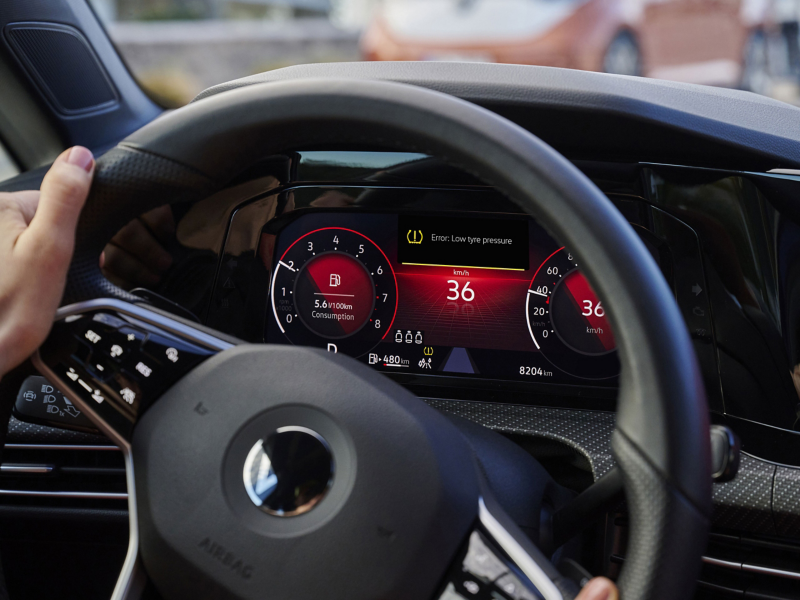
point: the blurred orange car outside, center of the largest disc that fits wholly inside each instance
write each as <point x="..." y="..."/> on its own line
<point x="714" y="42"/>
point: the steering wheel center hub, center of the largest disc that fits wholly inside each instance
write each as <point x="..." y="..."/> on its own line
<point x="360" y="465"/>
<point x="289" y="472"/>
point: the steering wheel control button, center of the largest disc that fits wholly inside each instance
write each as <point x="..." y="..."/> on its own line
<point x="172" y="354"/>
<point x="99" y="368"/>
<point x="127" y="389"/>
<point x="130" y="336"/>
<point x="109" y="339"/>
<point x="94" y="393"/>
<point x="122" y="343"/>
<point x="38" y="401"/>
<point x="101" y="357"/>
<point x="290" y="472"/>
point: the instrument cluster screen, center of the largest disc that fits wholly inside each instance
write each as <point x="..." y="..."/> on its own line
<point x="467" y="295"/>
<point x="457" y="242"/>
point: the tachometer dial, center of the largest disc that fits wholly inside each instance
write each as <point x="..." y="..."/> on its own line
<point x="334" y="288"/>
<point x="568" y="322"/>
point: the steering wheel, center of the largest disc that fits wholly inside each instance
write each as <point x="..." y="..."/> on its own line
<point x="266" y="471"/>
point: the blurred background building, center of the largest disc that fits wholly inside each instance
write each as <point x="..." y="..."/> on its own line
<point x="176" y="48"/>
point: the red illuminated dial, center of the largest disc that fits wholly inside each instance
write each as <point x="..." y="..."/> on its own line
<point x="578" y="317"/>
<point x="334" y="288"/>
<point x="567" y="320"/>
<point x="334" y="295"/>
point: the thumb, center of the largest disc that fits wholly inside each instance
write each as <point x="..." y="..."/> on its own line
<point x="599" y="588"/>
<point x="63" y="194"/>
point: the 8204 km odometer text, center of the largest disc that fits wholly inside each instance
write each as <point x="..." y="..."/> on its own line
<point x="334" y="288"/>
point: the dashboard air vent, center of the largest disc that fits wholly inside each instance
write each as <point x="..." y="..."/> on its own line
<point x="58" y="474"/>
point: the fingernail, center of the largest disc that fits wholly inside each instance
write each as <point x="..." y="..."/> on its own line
<point x="81" y="157"/>
<point x="598" y="589"/>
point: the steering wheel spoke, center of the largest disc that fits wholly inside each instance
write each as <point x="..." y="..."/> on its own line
<point x="500" y="561"/>
<point x="113" y="359"/>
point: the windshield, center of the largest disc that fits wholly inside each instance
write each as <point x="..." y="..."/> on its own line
<point x="177" y="48"/>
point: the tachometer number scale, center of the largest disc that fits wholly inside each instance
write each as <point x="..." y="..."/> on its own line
<point x="334" y="288"/>
<point x="568" y="322"/>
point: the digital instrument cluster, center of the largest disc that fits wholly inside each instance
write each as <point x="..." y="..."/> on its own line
<point x="468" y="295"/>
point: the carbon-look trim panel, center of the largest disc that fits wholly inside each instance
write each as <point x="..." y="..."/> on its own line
<point x="786" y="501"/>
<point x="20" y="432"/>
<point x="745" y="503"/>
<point x="588" y="432"/>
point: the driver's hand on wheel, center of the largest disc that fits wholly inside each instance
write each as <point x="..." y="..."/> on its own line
<point x="37" y="237"/>
<point x="599" y="588"/>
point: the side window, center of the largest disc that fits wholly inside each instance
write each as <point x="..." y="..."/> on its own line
<point x="8" y="168"/>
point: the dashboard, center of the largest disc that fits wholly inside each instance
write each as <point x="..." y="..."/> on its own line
<point x="500" y="332"/>
<point x="441" y="282"/>
<point x="479" y="295"/>
<point x="443" y="285"/>
<point x="447" y="288"/>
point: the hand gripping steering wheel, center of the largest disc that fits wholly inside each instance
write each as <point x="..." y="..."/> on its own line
<point x="263" y="471"/>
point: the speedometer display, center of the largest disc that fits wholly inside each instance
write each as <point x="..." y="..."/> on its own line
<point x="567" y="321"/>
